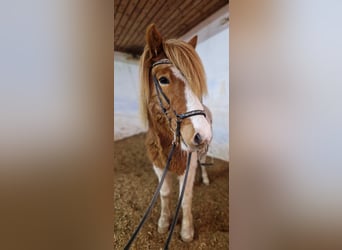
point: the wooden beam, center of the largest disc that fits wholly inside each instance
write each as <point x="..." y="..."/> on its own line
<point x="210" y="26"/>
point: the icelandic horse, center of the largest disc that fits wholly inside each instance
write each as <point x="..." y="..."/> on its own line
<point x="172" y="78"/>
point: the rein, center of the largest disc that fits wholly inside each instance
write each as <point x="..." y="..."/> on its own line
<point x="177" y="137"/>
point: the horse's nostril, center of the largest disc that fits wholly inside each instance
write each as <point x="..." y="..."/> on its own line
<point x="197" y="138"/>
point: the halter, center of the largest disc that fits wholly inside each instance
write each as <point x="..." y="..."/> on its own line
<point x="177" y="136"/>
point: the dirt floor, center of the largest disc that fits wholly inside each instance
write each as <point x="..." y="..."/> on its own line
<point x="134" y="185"/>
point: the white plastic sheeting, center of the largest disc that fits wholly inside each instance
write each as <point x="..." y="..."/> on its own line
<point x="126" y="97"/>
<point x="215" y="57"/>
<point x="214" y="53"/>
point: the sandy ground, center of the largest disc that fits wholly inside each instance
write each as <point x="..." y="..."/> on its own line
<point x="134" y="185"/>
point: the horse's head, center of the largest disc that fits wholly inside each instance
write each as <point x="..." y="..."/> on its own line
<point x="172" y="71"/>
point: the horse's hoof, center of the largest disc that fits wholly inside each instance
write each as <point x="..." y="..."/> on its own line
<point x="187" y="236"/>
<point x="163" y="230"/>
<point x="206" y="182"/>
<point x="163" y="224"/>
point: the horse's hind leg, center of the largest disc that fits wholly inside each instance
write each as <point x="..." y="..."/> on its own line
<point x="204" y="173"/>
<point x="187" y="230"/>
<point x="164" y="219"/>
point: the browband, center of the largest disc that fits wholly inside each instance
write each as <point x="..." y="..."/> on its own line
<point x="161" y="61"/>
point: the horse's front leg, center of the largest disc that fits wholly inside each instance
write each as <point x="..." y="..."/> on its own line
<point x="164" y="219"/>
<point x="187" y="230"/>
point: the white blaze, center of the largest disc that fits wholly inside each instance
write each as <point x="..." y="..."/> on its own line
<point x="199" y="122"/>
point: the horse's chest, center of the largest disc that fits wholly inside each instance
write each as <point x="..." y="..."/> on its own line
<point x="158" y="148"/>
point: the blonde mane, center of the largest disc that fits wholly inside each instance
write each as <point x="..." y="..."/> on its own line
<point x="185" y="58"/>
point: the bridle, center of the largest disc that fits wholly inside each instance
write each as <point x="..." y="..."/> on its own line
<point x="177" y="137"/>
<point x="160" y="93"/>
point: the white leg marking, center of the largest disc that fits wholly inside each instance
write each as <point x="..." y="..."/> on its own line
<point x="187" y="230"/>
<point x="205" y="178"/>
<point x="165" y="214"/>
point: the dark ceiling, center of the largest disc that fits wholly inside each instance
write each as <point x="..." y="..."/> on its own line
<point x="173" y="19"/>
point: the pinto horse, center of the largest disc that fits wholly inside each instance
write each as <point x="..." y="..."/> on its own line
<point x="172" y="83"/>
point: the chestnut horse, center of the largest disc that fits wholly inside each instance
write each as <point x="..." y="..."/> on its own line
<point x="173" y="82"/>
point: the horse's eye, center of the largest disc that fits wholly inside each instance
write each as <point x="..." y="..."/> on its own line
<point x="163" y="80"/>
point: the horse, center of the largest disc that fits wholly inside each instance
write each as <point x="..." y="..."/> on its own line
<point x="173" y="82"/>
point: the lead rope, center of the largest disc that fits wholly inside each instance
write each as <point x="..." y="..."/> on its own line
<point x="155" y="196"/>
<point x="153" y="201"/>
<point x="174" y="220"/>
<point x="176" y="140"/>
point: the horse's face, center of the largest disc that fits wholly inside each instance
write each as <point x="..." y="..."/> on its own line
<point x="196" y="130"/>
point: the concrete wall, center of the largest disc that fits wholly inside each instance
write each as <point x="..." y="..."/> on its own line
<point x="126" y="96"/>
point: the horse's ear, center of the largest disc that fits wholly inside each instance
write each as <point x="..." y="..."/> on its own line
<point x="193" y="41"/>
<point x="154" y="40"/>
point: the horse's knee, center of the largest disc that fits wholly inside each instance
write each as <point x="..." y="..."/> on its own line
<point x="165" y="189"/>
